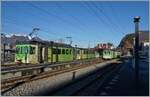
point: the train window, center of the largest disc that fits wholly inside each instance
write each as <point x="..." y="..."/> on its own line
<point x="83" y="51"/>
<point x="25" y="50"/>
<point x="70" y="51"/>
<point x="59" y="51"/>
<point x="107" y="52"/>
<point x="32" y="50"/>
<point x="54" y="51"/>
<point x="63" y="51"/>
<point x="86" y="52"/>
<point x="20" y="50"/>
<point x="17" y="50"/>
<point x="78" y="52"/>
<point x="67" y="51"/>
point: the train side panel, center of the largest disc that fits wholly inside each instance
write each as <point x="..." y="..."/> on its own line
<point x="79" y="54"/>
<point x="84" y="54"/>
<point x="33" y="55"/>
<point x="49" y="54"/>
<point x="66" y="54"/>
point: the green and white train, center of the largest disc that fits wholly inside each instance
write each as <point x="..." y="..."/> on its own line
<point x="110" y="54"/>
<point x="51" y="52"/>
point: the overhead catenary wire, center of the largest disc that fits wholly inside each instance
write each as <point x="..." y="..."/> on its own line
<point x="116" y="16"/>
<point x="114" y="24"/>
<point x="109" y="21"/>
<point x="83" y="25"/>
<point x="76" y="19"/>
<point x="58" y="17"/>
<point x="98" y="17"/>
<point x="29" y="27"/>
<point x="42" y="19"/>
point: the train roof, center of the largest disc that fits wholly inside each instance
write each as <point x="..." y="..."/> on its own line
<point x="91" y="49"/>
<point x="45" y="43"/>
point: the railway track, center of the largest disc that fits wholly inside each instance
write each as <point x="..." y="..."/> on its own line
<point x="29" y="66"/>
<point x="86" y="85"/>
<point x="11" y="83"/>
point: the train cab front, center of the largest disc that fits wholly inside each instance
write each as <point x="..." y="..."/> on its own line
<point x="21" y="55"/>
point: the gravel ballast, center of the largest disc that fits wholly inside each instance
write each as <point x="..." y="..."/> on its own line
<point x="38" y="87"/>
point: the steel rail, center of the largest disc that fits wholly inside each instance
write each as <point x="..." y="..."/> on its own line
<point x="38" y="66"/>
<point x="10" y="83"/>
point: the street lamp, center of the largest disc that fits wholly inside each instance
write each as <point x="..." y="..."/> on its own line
<point x="136" y="48"/>
<point x="75" y="56"/>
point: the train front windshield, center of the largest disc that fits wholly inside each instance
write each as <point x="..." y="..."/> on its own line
<point x="25" y="50"/>
<point x="22" y="49"/>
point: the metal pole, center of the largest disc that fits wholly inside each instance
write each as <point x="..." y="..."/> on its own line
<point x="4" y="49"/>
<point x="70" y="39"/>
<point x="136" y="21"/>
<point x="75" y="55"/>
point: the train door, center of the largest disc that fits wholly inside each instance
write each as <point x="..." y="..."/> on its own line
<point x="74" y="53"/>
<point x="45" y="54"/>
<point x="81" y="53"/>
<point x="40" y="56"/>
<point x="56" y="54"/>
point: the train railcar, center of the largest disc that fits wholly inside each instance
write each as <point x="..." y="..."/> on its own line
<point x="51" y="52"/>
<point x="84" y="53"/>
<point x="118" y="54"/>
<point x="115" y="54"/>
<point x="64" y="54"/>
<point x="91" y="54"/>
<point x="43" y="52"/>
<point x="26" y="53"/>
<point x="30" y="52"/>
<point x="97" y="55"/>
<point x="108" y="54"/>
<point x="79" y="54"/>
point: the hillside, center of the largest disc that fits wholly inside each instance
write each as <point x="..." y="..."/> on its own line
<point x="127" y="42"/>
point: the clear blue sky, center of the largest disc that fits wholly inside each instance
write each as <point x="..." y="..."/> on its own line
<point x="86" y="22"/>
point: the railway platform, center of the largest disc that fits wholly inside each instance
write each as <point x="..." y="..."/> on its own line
<point x="120" y="82"/>
<point x="123" y="82"/>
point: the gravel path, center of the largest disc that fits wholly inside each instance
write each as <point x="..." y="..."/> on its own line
<point x="47" y="84"/>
